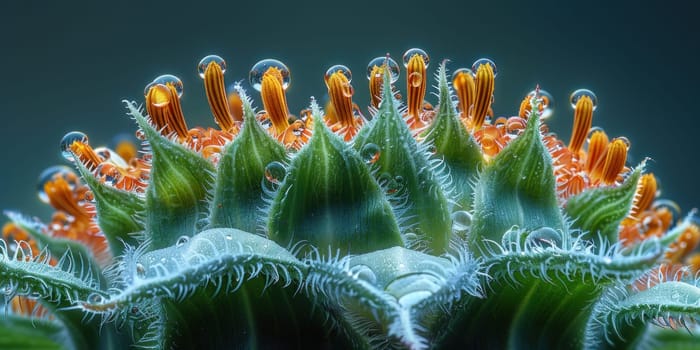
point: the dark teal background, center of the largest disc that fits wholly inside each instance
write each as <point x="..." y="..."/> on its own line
<point x="67" y="66"/>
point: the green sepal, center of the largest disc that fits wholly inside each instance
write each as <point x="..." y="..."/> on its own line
<point x="330" y="200"/>
<point x="454" y="145"/>
<point x="620" y="315"/>
<point x="517" y="188"/>
<point x="599" y="211"/>
<point x="179" y="183"/>
<point x="117" y="212"/>
<point x="422" y="202"/>
<point x="238" y="192"/>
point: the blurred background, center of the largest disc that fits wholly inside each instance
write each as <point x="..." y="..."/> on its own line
<point x="67" y="66"/>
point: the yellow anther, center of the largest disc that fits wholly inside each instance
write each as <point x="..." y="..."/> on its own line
<point x="274" y="100"/>
<point x="465" y="87"/>
<point x="376" y="79"/>
<point x="415" y="85"/>
<point x="646" y="192"/>
<point x="216" y="95"/>
<point x="484" y="94"/>
<point x="583" y="117"/>
<point x="596" y="149"/>
<point x="163" y="106"/>
<point x="340" y="92"/>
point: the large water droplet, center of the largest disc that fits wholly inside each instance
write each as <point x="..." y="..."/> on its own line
<point x="390" y="63"/>
<point x="95" y="298"/>
<point x="51" y="174"/>
<point x="339" y="68"/>
<point x="169" y="79"/>
<point x="275" y="172"/>
<point x="68" y="140"/>
<point x="182" y="241"/>
<point x="256" y="73"/>
<point x="415" y="51"/>
<point x="544" y="237"/>
<point x="478" y="63"/>
<point x="461" y="220"/>
<point x="546" y="101"/>
<point x="576" y="95"/>
<point x="370" y="153"/>
<point x="204" y="63"/>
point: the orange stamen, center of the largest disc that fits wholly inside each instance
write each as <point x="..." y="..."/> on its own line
<point x="163" y="106"/>
<point x="340" y="92"/>
<point x="646" y="192"/>
<point x="274" y="100"/>
<point x="86" y="154"/>
<point x="466" y="92"/>
<point x="216" y="95"/>
<point x="484" y="93"/>
<point x="615" y="157"/>
<point x="415" y="85"/>
<point x="596" y="148"/>
<point x="61" y="197"/>
<point x="583" y="117"/>
<point x="376" y="78"/>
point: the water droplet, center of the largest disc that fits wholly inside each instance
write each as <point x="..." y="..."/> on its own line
<point x="140" y="270"/>
<point x="478" y="63"/>
<point x="161" y="95"/>
<point x="544" y="237"/>
<point x="204" y="63"/>
<point x="415" y="51"/>
<point x="461" y="220"/>
<point x="546" y="101"/>
<point x="51" y="174"/>
<point x="391" y="65"/>
<point x="370" y="153"/>
<point x="415" y="79"/>
<point x="275" y="172"/>
<point x="95" y="298"/>
<point x="68" y="140"/>
<point x="624" y="140"/>
<point x="229" y="237"/>
<point x="339" y="68"/>
<point x="169" y="79"/>
<point x="182" y="241"/>
<point x="576" y="95"/>
<point x="256" y="73"/>
<point x="348" y="90"/>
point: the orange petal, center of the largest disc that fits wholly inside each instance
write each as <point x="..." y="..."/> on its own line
<point x="275" y="100"/>
<point x="596" y="149"/>
<point x="415" y="87"/>
<point x="463" y="83"/>
<point x="216" y="95"/>
<point x="646" y="192"/>
<point x="484" y="93"/>
<point x="583" y="117"/>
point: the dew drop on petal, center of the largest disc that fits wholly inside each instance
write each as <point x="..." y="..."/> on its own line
<point x="415" y="51"/>
<point x="256" y="73"/>
<point x="339" y="68"/>
<point x="478" y="63"/>
<point x="576" y="95"/>
<point x="169" y="79"/>
<point x="182" y="241"/>
<point x="204" y="63"/>
<point x="415" y="79"/>
<point x="391" y="65"/>
<point x="229" y="237"/>
<point x="68" y="140"/>
<point x="370" y="153"/>
<point x="51" y="174"/>
<point x="275" y="172"/>
<point x="461" y="220"/>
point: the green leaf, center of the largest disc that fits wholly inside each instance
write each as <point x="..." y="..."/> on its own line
<point x="117" y="212"/>
<point x="457" y="148"/>
<point x="599" y="211"/>
<point x="238" y="192"/>
<point x="179" y="182"/>
<point x="404" y="166"/>
<point x="329" y="199"/>
<point x="517" y="188"/>
<point x="23" y="333"/>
